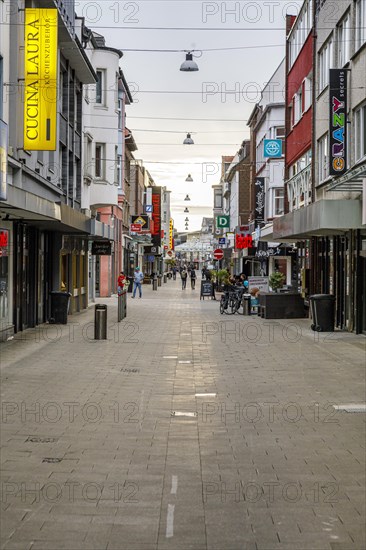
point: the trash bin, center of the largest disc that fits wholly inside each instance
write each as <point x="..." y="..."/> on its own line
<point x="60" y="302"/>
<point x="322" y="312"/>
<point x="164" y="279"/>
<point x="100" y="322"/>
<point x="155" y="283"/>
<point x="130" y="286"/>
<point x="246" y="304"/>
<point x="159" y="280"/>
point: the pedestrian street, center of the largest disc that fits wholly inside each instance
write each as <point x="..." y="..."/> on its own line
<point x="185" y="429"/>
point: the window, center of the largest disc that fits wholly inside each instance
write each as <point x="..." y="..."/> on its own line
<point x="99" y="96"/>
<point x="308" y="91"/>
<point x="344" y="42"/>
<point x="279" y="194"/>
<point x="323" y="159"/>
<point x="298" y="105"/>
<point x="301" y="31"/>
<point x="99" y="160"/>
<point x="217" y="199"/>
<point x="1" y="87"/>
<point x="360" y="23"/>
<point x="280" y="132"/>
<point x="325" y="63"/>
<point x="360" y="132"/>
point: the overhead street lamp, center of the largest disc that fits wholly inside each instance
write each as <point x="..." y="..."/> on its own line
<point x="189" y="66"/>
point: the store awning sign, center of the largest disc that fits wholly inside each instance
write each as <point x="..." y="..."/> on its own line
<point x="338" y="121"/>
<point x="40" y="79"/>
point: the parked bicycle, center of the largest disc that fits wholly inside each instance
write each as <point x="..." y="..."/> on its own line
<point x="230" y="300"/>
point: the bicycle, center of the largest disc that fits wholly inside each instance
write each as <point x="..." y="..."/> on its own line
<point x="229" y="302"/>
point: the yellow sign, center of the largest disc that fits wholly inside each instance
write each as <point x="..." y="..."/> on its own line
<point x="139" y="220"/>
<point x="40" y="73"/>
<point x="171" y="226"/>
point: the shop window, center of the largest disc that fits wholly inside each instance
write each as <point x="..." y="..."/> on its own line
<point x="4" y="276"/>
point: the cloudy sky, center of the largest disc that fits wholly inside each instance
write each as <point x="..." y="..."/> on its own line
<point x="242" y="43"/>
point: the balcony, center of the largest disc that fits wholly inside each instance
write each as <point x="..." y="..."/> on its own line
<point x="299" y="189"/>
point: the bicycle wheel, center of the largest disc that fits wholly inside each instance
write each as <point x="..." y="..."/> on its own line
<point x="232" y="305"/>
<point x="222" y="305"/>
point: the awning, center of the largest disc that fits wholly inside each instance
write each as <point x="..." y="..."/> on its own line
<point x="100" y="231"/>
<point x="321" y="218"/>
<point x="22" y="205"/>
<point x="351" y="181"/>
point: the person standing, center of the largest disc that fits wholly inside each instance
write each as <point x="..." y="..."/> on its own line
<point x="193" y="279"/>
<point x="183" y="276"/>
<point x="121" y="281"/>
<point x="174" y="273"/>
<point x="137" y="279"/>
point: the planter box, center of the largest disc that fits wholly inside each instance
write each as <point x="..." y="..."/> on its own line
<point x="289" y="305"/>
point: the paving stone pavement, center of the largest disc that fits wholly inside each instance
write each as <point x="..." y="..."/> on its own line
<point x="184" y="430"/>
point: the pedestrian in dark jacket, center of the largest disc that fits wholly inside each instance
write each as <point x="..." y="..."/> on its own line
<point x="184" y="276"/>
<point x="193" y="279"/>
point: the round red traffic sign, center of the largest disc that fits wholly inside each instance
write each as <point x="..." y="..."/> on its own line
<point x="218" y="254"/>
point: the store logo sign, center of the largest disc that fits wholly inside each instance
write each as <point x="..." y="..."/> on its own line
<point x="338" y="122"/>
<point x="40" y="87"/>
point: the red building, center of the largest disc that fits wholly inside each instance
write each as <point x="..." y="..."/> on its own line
<point x="299" y="124"/>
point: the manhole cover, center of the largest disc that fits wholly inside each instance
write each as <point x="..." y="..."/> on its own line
<point x="351" y="407"/>
<point x="52" y="460"/>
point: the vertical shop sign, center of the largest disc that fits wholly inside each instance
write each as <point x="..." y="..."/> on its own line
<point x="40" y="72"/>
<point x="156" y="216"/>
<point x="259" y="201"/>
<point x="338" y="121"/>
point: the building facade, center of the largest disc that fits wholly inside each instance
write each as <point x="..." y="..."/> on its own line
<point x="41" y="209"/>
<point x="330" y="218"/>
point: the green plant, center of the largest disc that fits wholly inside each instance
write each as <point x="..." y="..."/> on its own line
<point x="276" y="280"/>
<point x="222" y="277"/>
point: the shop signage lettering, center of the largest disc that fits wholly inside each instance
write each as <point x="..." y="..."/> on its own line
<point x="259" y="201"/>
<point x="156" y="216"/>
<point x="338" y="122"/>
<point x="243" y="241"/>
<point x="171" y="229"/>
<point x="3" y="238"/>
<point x="40" y="87"/>
<point x="101" y="248"/>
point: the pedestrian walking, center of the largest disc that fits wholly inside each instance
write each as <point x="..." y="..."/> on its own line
<point x="174" y="273"/>
<point x="137" y="280"/>
<point x="193" y="279"/>
<point x="183" y="276"/>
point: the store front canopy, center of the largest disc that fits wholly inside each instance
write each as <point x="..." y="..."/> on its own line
<point x="319" y="219"/>
<point x="352" y="180"/>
